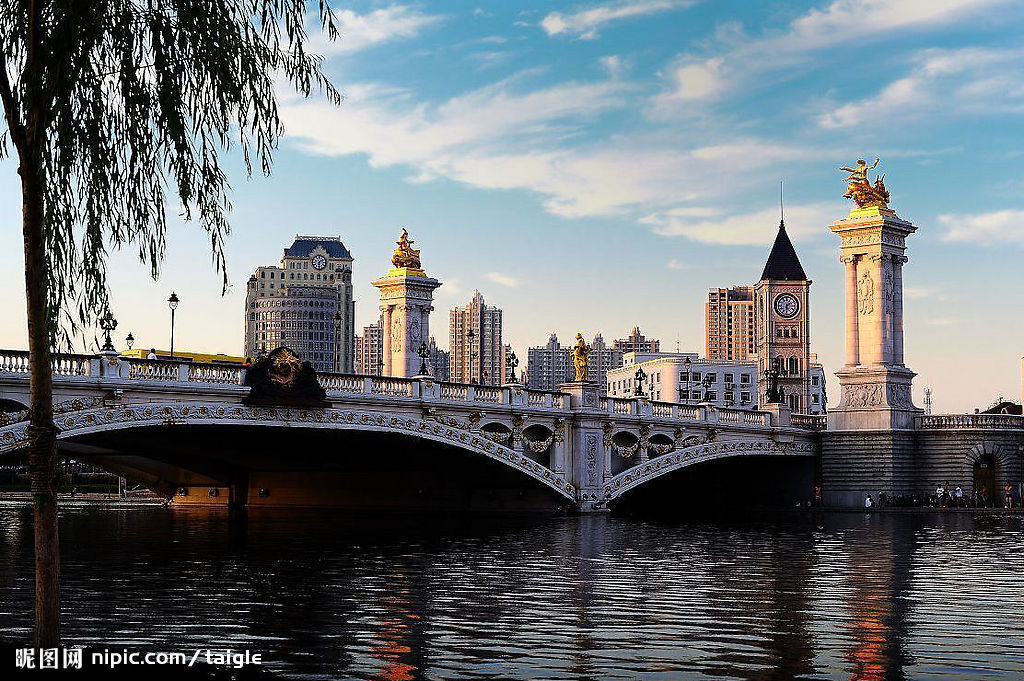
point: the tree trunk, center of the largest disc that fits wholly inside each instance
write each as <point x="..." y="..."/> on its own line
<point x="42" y="434"/>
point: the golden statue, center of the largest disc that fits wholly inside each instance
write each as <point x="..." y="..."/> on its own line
<point x="579" y="357"/>
<point x="405" y="255"/>
<point x="860" y="189"/>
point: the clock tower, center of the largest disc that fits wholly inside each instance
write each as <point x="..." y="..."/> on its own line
<point x="782" y="313"/>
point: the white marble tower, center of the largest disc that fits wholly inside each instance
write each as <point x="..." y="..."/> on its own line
<point x="876" y="385"/>
<point x="406" y="297"/>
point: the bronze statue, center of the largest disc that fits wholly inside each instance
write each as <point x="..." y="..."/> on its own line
<point x="860" y="189"/>
<point x="579" y="357"/>
<point x="405" y="255"/>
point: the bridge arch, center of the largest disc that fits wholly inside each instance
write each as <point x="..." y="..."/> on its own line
<point x="122" y="417"/>
<point x="638" y="476"/>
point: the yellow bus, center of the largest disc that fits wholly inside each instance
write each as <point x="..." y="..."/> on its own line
<point x="196" y="357"/>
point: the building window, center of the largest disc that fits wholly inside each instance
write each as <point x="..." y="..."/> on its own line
<point x="744" y="378"/>
<point x="712" y="395"/>
<point x="713" y="377"/>
<point x="696" y="375"/>
<point x="744" y="398"/>
<point x="814" y="380"/>
<point x="728" y="378"/>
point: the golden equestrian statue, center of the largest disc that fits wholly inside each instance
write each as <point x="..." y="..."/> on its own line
<point x="860" y="189"/>
<point x="579" y="357"/>
<point x="405" y="255"/>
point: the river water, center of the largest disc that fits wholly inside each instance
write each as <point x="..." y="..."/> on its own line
<point x="822" y="596"/>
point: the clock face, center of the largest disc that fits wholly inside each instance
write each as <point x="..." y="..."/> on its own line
<point x="786" y="305"/>
<point x="319" y="262"/>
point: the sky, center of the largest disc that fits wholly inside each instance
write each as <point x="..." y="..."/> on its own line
<point x="591" y="166"/>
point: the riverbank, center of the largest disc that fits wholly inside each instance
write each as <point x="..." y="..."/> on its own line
<point x="144" y="497"/>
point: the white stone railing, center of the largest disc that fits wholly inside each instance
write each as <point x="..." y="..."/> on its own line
<point x="976" y="421"/>
<point x="808" y="421"/>
<point x="16" y="362"/>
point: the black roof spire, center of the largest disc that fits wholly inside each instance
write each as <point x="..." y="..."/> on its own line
<point x="783" y="263"/>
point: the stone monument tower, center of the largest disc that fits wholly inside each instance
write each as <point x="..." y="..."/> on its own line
<point x="406" y="297"/>
<point x="875" y="382"/>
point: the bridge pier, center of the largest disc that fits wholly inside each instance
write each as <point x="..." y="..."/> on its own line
<point x="590" y="453"/>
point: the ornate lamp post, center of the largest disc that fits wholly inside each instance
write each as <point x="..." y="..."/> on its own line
<point x="424" y="353"/>
<point x="108" y="324"/>
<point x="129" y="340"/>
<point x="172" y="303"/>
<point x="512" y="362"/>
<point x="684" y="396"/>
<point x="472" y="354"/>
<point x="639" y="377"/>
<point x="337" y="338"/>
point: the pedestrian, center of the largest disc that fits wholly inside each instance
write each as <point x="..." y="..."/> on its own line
<point x="938" y="495"/>
<point x="958" y="494"/>
<point x="983" y="496"/>
<point x="1008" y="496"/>
<point x="152" y="354"/>
<point x="817" y="495"/>
<point x="869" y="502"/>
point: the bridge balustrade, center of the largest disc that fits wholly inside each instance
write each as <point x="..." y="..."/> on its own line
<point x="979" y="421"/>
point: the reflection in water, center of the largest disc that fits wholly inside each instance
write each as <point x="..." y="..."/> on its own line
<point x="836" y="596"/>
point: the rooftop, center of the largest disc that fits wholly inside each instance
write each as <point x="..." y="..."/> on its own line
<point x="304" y="245"/>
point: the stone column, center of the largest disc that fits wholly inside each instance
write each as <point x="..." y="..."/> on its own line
<point x="852" y="330"/>
<point x="897" y="313"/>
<point x="385" y="351"/>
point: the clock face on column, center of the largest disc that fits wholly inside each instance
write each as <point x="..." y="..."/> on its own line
<point x="319" y="262"/>
<point x="786" y="305"/>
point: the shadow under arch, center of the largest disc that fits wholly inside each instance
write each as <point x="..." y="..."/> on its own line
<point x="165" y="445"/>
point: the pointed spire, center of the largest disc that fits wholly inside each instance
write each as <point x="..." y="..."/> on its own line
<point x="783" y="263"/>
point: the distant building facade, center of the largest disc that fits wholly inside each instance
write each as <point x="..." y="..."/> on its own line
<point x="679" y="377"/>
<point x="549" y="366"/>
<point x="475" y="344"/>
<point x="636" y="342"/>
<point x="730" y="330"/>
<point x="439" y="361"/>
<point x="305" y="304"/>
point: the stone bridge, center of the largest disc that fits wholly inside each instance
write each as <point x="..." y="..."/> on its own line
<point x="187" y="430"/>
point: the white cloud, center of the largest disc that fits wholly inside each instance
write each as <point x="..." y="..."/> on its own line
<point x="674" y="264"/>
<point x="584" y="23"/>
<point x="502" y="279"/>
<point x="943" y="82"/>
<point x="742" y="61"/>
<point x="743" y="229"/>
<point x="996" y="227"/>
<point x="362" y="31"/>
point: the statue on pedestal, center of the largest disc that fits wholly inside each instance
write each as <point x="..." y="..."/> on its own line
<point x="579" y="357"/>
<point x="860" y="189"/>
<point x="405" y="255"/>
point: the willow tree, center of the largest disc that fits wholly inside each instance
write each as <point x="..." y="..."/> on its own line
<point x="113" y="108"/>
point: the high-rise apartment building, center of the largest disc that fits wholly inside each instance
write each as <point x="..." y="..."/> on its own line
<point x="549" y="366"/>
<point x="370" y="351"/>
<point x="475" y="344"/>
<point x="305" y="304"/>
<point x="730" y="332"/>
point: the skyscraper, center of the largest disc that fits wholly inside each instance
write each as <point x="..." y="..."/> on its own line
<point x="549" y="366"/>
<point x="475" y="343"/>
<point x="305" y="304"/>
<point x="729" y="329"/>
<point x="369" y="350"/>
<point x="439" y="361"/>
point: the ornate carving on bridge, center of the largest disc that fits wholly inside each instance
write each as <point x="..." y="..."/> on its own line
<point x="281" y="378"/>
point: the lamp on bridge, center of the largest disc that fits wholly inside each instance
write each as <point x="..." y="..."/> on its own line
<point x="472" y="354"/>
<point x="512" y="362"/>
<point x="639" y="377"/>
<point x="684" y="392"/>
<point x="337" y="338"/>
<point x="129" y="340"/>
<point x="707" y="387"/>
<point x="172" y="303"/>
<point x="424" y="353"/>
<point x="108" y="324"/>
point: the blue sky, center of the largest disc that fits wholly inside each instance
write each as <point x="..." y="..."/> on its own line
<point x="589" y="166"/>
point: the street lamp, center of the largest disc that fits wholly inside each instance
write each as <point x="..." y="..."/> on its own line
<point x="639" y="377"/>
<point x="513" y="362"/>
<point x="472" y="354"/>
<point x="108" y="324"/>
<point x="129" y="340"/>
<point x="707" y="387"/>
<point x="424" y="353"/>
<point x="684" y="397"/>
<point x="337" y="338"/>
<point x="172" y="303"/>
